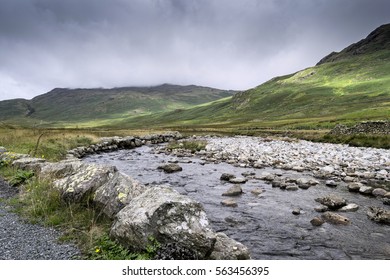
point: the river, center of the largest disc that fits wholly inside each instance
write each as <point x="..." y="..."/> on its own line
<point x="264" y="223"/>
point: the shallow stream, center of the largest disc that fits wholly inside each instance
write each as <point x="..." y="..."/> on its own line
<point x="264" y="223"/>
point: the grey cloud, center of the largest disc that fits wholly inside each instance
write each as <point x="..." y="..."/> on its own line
<point x="222" y="43"/>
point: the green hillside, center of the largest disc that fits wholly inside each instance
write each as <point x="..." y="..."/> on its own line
<point x="91" y="107"/>
<point x="345" y="87"/>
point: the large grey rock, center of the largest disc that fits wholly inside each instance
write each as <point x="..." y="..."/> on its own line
<point x="116" y="193"/>
<point x="169" y="217"/>
<point x="62" y="169"/>
<point x="29" y="163"/>
<point x="332" y="201"/>
<point x="379" y="215"/>
<point x="335" y="219"/>
<point x="84" y="182"/>
<point x="226" y="248"/>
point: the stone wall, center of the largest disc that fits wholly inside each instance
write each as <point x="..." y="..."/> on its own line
<point x="109" y="144"/>
<point x="372" y="127"/>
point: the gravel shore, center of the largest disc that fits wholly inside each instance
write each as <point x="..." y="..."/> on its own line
<point x="22" y="241"/>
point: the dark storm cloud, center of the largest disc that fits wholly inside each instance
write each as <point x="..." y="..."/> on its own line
<point x="222" y="43"/>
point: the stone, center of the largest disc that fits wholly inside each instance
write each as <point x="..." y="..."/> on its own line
<point x="379" y="192"/>
<point x="173" y="251"/>
<point x="229" y="203"/>
<point x="366" y="190"/>
<point x="335" y="219"/>
<point x="162" y="213"/>
<point x="62" y="169"/>
<point x="292" y="187"/>
<point x="379" y="215"/>
<point x="354" y="187"/>
<point x="331" y="183"/>
<point x="248" y="174"/>
<point x="352" y="207"/>
<point x="257" y="191"/>
<point x="2" y="150"/>
<point x="317" y="221"/>
<point x="227" y="177"/>
<point x="348" y="179"/>
<point x="84" y="182"/>
<point x="116" y="193"/>
<point x="386" y="201"/>
<point x="28" y="163"/>
<point x="321" y="208"/>
<point x="238" y="180"/>
<point x="296" y="211"/>
<point x="387" y="195"/>
<point x="332" y="201"/>
<point x="233" y="191"/>
<point x="327" y="169"/>
<point x="170" y="168"/>
<point x="226" y="248"/>
<point x="267" y="176"/>
<point x="303" y="183"/>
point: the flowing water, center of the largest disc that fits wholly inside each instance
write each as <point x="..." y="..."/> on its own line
<point x="264" y="223"/>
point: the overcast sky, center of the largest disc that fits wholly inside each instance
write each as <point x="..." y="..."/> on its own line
<point x="229" y="44"/>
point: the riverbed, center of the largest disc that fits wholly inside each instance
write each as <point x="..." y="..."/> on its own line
<point x="263" y="222"/>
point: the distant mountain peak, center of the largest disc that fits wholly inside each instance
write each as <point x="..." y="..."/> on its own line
<point x="377" y="40"/>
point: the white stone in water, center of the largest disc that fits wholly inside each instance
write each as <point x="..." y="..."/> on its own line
<point x="365" y="190"/>
<point x="352" y="207"/>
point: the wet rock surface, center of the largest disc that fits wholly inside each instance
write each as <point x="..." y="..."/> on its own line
<point x="264" y="222"/>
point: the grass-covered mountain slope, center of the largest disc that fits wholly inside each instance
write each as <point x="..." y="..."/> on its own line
<point x="97" y="106"/>
<point x="346" y="87"/>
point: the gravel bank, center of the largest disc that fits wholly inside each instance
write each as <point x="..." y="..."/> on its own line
<point x="23" y="241"/>
<point x="324" y="160"/>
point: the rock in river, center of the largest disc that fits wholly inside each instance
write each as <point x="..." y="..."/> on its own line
<point x="229" y="202"/>
<point x="335" y="219"/>
<point x="332" y="201"/>
<point x="171" y="168"/>
<point x="379" y="215"/>
<point x="233" y="191"/>
<point x="352" y="207"/>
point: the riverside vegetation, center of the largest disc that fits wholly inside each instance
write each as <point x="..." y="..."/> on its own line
<point x="38" y="202"/>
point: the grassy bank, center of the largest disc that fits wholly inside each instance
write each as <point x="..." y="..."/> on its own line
<point x="82" y="223"/>
<point x="38" y="202"/>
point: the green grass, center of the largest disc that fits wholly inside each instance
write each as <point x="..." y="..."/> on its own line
<point x="84" y="224"/>
<point x="346" y="91"/>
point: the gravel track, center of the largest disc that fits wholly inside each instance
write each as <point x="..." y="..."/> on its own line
<point x="22" y="241"/>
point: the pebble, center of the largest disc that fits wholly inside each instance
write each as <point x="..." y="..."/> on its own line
<point x="229" y="203"/>
<point x="317" y="221"/>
